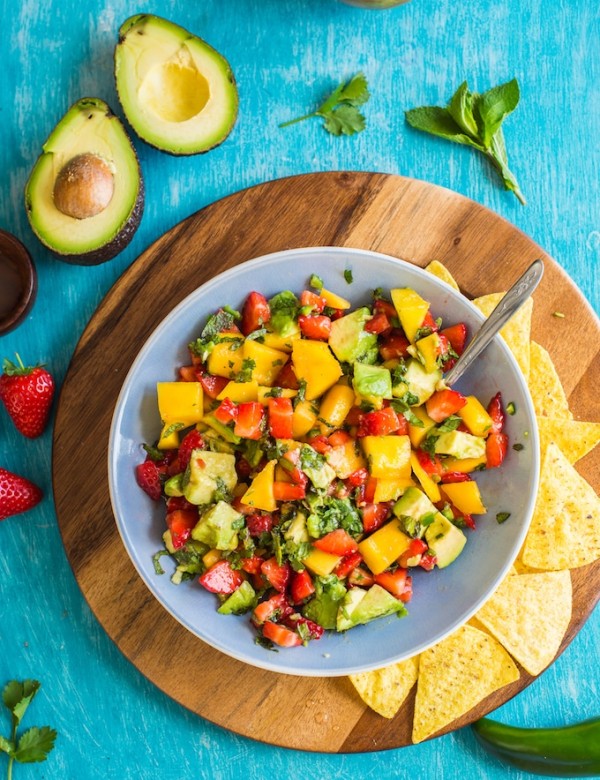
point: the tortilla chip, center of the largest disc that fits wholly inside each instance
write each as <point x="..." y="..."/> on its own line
<point x="573" y="437"/>
<point x="529" y="615"/>
<point x="439" y="270"/>
<point x="547" y="393"/>
<point x="565" y="529"/>
<point x="516" y="332"/>
<point x="521" y="568"/>
<point x="457" y="674"/>
<point x="385" y="690"/>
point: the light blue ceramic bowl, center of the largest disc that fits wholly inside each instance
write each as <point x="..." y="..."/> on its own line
<point x="444" y="599"/>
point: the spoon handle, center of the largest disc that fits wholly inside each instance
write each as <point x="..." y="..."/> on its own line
<point x="510" y="303"/>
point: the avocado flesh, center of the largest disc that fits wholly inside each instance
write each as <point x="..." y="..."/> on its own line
<point x="445" y="540"/>
<point x="177" y="92"/>
<point x="89" y="127"/>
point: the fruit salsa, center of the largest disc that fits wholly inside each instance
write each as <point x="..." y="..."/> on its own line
<point x="311" y="456"/>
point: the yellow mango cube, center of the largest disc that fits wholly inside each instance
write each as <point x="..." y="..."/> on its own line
<point x="264" y="393"/>
<point x="391" y="489"/>
<point x="333" y="300"/>
<point x="466" y="497"/>
<point x="384" y="546"/>
<point x="388" y="457"/>
<point x="345" y="459"/>
<point x="430" y="488"/>
<point x="417" y="433"/>
<point x="475" y="417"/>
<point x="335" y="407"/>
<point x="169" y="437"/>
<point x="226" y="357"/>
<point x="211" y="557"/>
<point x="240" y="392"/>
<point x="260" y="493"/>
<point x="180" y="402"/>
<point x="321" y="563"/>
<point x="282" y="343"/>
<point x="411" y="310"/>
<point x="464" y="465"/>
<point x="268" y="362"/>
<point x="315" y="364"/>
<point x="304" y="418"/>
<point x="428" y="351"/>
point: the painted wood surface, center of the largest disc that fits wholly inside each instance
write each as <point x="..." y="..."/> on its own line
<point x="390" y="214"/>
<point x="286" y="55"/>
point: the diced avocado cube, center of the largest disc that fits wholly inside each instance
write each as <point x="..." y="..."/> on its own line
<point x="323" y="607"/>
<point x="413" y="503"/>
<point x="207" y="472"/>
<point x="346" y="609"/>
<point x="296" y="531"/>
<point x="241" y="600"/>
<point x="445" y="540"/>
<point x="218" y="527"/>
<point x="418" y="382"/>
<point x="377" y="602"/>
<point x="372" y="382"/>
<point x="460" y="445"/>
<point x="350" y="341"/>
<point x="174" y="485"/>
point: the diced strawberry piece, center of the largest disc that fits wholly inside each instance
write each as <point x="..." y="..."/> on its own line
<point x="394" y="345"/>
<point x="286" y="378"/>
<point x="449" y="477"/>
<point x="252" y="564"/>
<point x="281" y="413"/>
<point x="187" y="374"/>
<point x="354" y="416"/>
<point x="361" y="578"/>
<point x="430" y="323"/>
<point x="443" y="403"/>
<point x="385" y="307"/>
<point x="147" y="475"/>
<point x="412" y="556"/>
<point x="431" y="464"/>
<point x="373" y="516"/>
<point x="379" y="324"/>
<point x="428" y="561"/>
<point x="275" y="608"/>
<point x="348" y="563"/>
<point x="248" y="424"/>
<point x="278" y="576"/>
<point x="457" y="336"/>
<point x="191" y="441"/>
<point x="398" y="583"/>
<point x="288" y="491"/>
<point x="221" y="578"/>
<point x="370" y="487"/>
<point x="255" y="313"/>
<point x="338" y="542"/>
<point x="280" y="635"/>
<point x="212" y="385"/>
<point x="496" y="447"/>
<point x="301" y="586"/>
<point x="315" y="631"/>
<point x="290" y="462"/>
<point x="179" y="502"/>
<point x="259" y="524"/>
<point x="180" y="523"/>
<point x="226" y="411"/>
<point x="381" y="423"/>
<point x="496" y="412"/>
<point x="357" y="478"/>
<point x="337" y="438"/>
<point x="316" y="327"/>
<point x="316" y="303"/>
<point x="320" y="444"/>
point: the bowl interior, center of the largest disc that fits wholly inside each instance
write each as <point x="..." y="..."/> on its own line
<point x="443" y="599"/>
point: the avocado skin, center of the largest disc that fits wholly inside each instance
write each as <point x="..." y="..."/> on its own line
<point x="103" y="253"/>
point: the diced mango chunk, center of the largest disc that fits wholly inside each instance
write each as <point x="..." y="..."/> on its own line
<point x="388" y="457"/>
<point x="265" y="392"/>
<point x="226" y="357"/>
<point x="430" y="488"/>
<point x="429" y="349"/>
<point x="391" y="489"/>
<point x="180" y="402"/>
<point x="268" y="362"/>
<point x="315" y="364"/>
<point x="334" y="300"/>
<point x="417" y="433"/>
<point x="345" y="459"/>
<point x="465" y="465"/>
<point x="240" y="392"/>
<point x="384" y="546"/>
<point x="475" y="417"/>
<point x="304" y="418"/>
<point x="321" y="563"/>
<point x="411" y="310"/>
<point x="169" y="437"/>
<point x="466" y="497"/>
<point x="260" y="493"/>
<point x="335" y="407"/>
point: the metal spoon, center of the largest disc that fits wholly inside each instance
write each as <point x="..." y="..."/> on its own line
<point x="509" y="305"/>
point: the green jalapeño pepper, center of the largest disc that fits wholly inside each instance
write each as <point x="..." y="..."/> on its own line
<point x="570" y="751"/>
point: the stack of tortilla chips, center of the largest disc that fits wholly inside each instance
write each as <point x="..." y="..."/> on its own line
<point x="526" y="619"/>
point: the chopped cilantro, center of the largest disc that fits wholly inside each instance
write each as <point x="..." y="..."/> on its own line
<point x="156" y="561"/>
<point x="171" y="429"/>
<point x="502" y="517"/>
<point x="450" y="424"/>
<point x="245" y="374"/>
<point x="348" y="276"/>
<point x="316" y="282"/>
<point x="153" y="452"/>
<point x="518" y="447"/>
<point x="511" y="408"/>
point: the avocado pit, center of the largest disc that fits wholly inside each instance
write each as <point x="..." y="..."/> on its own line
<point x="84" y="186"/>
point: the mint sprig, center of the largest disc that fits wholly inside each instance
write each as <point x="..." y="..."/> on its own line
<point x="339" y="111"/>
<point x="34" y="744"/>
<point x="475" y="120"/>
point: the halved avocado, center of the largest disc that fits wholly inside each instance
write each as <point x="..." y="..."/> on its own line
<point x="85" y="195"/>
<point x="177" y="92"/>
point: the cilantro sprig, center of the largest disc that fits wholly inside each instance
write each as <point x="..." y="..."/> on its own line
<point x="474" y="120"/>
<point x="34" y="744"/>
<point x="339" y="110"/>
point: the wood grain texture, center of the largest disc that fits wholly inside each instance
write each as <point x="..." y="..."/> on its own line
<point x="402" y="217"/>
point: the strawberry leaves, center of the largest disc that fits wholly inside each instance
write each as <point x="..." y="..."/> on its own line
<point x="474" y="120"/>
<point x="34" y="744"/>
<point x="339" y="110"/>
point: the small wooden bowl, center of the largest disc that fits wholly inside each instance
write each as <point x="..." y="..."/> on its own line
<point x="19" y="261"/>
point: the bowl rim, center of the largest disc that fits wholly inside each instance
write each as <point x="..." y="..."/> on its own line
<point x="278" y="257"/>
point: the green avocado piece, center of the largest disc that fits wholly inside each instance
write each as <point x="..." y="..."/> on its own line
<point x="323" y="608"/>
<point x="206" y="474"/>
<point x="174" y="485"/>
<point x="445" y="540"/>
<point x="418" y="382"/>
<point x="377" y="602"/>
<point x="85" y="196"/>
<point x="411" y="507"/>
<point x="346" y="609"/>
<point x="241" y="600"/>
<point x="218" y="527"/>
<point x="350" y="341"/>
<point x="284" y="311"/>
<point x="460" y="445"/>
<point x="177" y="92"/>
<point x="372" y="382"/>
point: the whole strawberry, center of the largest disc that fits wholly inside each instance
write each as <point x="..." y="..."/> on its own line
<point x="17" y="494"/>
<point x="27" y="393"/>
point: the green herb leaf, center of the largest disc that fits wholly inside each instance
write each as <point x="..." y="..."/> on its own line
<point x="245" y="374"/>
<point x="34" y="745"/>
<point x="511" y="408"/>
<point x="153" y="452"/>
<point x="171" y="429"/>
<point x="439" y="121"/>
<point x="494" y="106"/>
<point x="17" y="696"/>
<point x="502" y="517"/>
<point x="518" y="447"/>
<point x="348" y="276"/>
<point x="340" y="109"/>
<point x="6" y="746"/>
<point x="450" y="424"/>
<point x="316" y="282"/>
<point x="460" y="109"/>
<point x="158" y="569"/>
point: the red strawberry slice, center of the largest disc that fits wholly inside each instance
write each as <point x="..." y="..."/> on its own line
<point x="191" y="441"/>
<point x="17" y="494"/>
<point x="147" y="475"/>
<point x="27" y="393"/>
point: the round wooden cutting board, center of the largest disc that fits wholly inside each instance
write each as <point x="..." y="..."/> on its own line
<point x="402" y="217"/>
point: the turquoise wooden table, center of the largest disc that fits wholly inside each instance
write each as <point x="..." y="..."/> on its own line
<point x="286" y="55"/>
